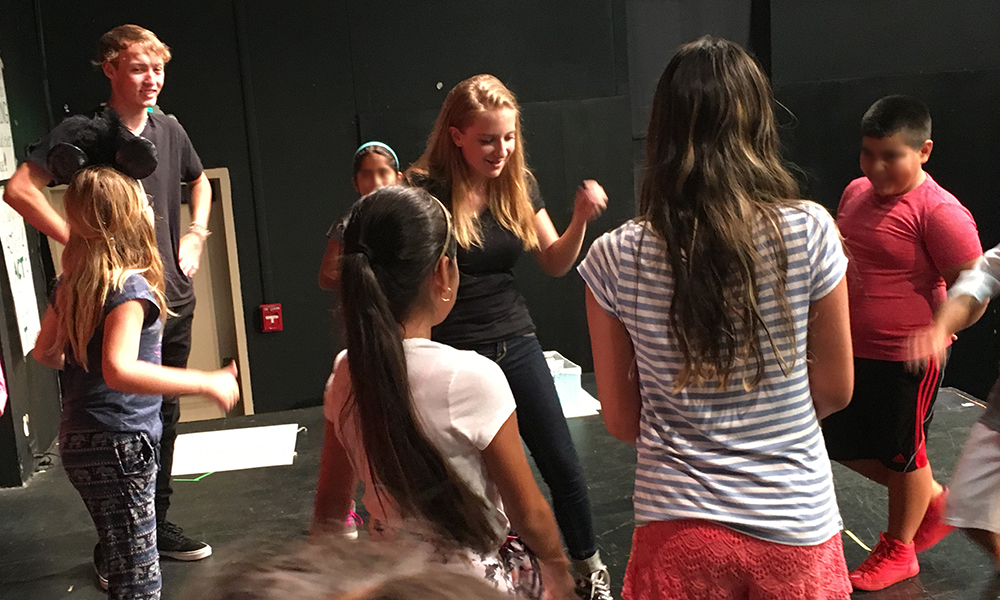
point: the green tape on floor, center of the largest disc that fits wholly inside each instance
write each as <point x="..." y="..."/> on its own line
<point x="198" y="478"/>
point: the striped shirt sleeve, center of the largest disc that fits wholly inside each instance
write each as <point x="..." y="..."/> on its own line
<point x="600" y="269"/>
<point x="826" y="252"/>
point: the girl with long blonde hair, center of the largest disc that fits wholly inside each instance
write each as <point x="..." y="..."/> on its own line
<point x="102" y="329"/>
<point x="475" y="164"/>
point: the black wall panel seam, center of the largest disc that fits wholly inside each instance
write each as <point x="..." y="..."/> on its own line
<point x="257" y="196"/>
<point x="354" y="80"/>
<point x="45" y="63"/>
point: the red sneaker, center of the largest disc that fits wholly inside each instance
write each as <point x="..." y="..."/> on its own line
<point x="932" y="528"/>
<point x="890" y="562"/>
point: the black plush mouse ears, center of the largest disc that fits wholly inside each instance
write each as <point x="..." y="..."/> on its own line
<point x="99" y="139"/>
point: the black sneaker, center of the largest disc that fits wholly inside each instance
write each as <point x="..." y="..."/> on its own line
<point x="100" y="567"/>
<point x="172" y="543"/>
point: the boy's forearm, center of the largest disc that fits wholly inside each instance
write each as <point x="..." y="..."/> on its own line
<point x="201" y="200"/>
<point x="23" y="194"/>
<point x="958" y="313"/>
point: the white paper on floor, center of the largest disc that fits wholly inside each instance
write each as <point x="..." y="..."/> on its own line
<point x="234" y="449"/>
<point x="579" y="404"/>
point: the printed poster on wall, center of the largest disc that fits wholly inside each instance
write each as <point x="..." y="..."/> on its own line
<point x="8" y="163"/>
<point x="22" y="285"/>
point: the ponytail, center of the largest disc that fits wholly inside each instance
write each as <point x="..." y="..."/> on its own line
<point x="391" y="246"/>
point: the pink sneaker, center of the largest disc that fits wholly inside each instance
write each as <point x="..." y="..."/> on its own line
<point x="932" y="528"/>
<point x="890" y="562"/>
<point x="352" y="522"/>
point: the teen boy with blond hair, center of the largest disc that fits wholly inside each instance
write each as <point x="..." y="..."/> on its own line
<point x="133" y="59"/>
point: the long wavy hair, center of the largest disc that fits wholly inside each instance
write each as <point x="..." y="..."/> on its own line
<point x="110" y="238"/>
<point x="393" y="240"/>
<point x="712" y="188"/>
<point x="507" y="196"/>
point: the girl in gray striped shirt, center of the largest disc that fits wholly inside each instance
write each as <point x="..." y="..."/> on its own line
<point x="719" y="324"/>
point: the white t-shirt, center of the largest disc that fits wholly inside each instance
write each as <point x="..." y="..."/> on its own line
<point x="461" y="399"/>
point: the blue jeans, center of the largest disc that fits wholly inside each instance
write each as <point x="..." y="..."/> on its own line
<point x="115" y="474"/>
<point x="544" y="430"/>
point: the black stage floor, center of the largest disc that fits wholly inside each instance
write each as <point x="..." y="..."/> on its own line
<point x="46" y="536"/>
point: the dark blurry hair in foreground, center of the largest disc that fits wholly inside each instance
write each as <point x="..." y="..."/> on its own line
<point x="337" y="568"/>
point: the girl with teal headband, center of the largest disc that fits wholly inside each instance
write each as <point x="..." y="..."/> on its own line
<point x="375" y="166"/>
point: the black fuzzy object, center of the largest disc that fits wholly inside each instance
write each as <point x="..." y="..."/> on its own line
<point x="99" y="139"/>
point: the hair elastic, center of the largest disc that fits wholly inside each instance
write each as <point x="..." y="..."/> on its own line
<point x="362" y="249"/>
<point x="379" y="145"/>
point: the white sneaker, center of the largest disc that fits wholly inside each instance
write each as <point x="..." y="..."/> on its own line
<point x="593" y="582"/>
<point x="595" y="586"/>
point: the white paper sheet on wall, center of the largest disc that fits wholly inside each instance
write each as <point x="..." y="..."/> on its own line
<point x="8" y="163"/>
<point x="22" y="284"/>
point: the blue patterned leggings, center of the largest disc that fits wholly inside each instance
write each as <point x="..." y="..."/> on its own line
<point x="115" y="474"/>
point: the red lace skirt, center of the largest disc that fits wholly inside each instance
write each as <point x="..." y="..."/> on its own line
<point x="693" y="559"/>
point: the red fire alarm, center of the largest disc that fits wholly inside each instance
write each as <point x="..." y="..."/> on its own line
<point x="270" y="317"/>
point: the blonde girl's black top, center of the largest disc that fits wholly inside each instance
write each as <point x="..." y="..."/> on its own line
<point x="488" y="306"/>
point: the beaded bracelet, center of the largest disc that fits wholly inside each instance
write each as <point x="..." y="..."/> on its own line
<point x="199" y="230"/>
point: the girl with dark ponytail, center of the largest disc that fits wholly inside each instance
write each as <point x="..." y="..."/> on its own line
<point x="430" y="430"/>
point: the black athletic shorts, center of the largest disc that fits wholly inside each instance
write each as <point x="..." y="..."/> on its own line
<point x="888" y="416"/>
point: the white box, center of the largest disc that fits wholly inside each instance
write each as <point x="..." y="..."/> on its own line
<point x="566" y="375"/>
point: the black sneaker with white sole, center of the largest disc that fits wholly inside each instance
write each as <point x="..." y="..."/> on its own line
<point x="172" y="543"/>
<point x="100" y="567"/>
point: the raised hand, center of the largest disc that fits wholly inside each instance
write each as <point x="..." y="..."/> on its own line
<point x="590" y="201"/>
<point x="931" y="342"/>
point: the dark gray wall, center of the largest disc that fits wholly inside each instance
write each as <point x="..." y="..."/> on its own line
<point x="656" y="28"/>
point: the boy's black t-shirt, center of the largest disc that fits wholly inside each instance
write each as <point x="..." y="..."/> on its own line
<point x="177" y="162"/>
<point x="488" y="307"/>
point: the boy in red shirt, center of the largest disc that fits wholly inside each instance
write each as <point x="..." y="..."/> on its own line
<point x="908" y="239"/>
